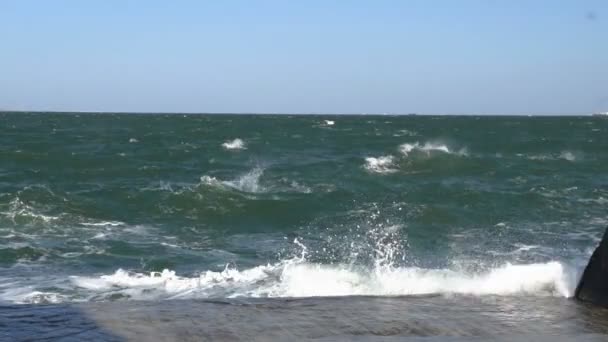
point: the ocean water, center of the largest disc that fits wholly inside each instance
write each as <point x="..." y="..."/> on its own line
<point x="112" y="209"/>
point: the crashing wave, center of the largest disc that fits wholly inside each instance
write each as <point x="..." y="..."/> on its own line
<point x="298" y="278"/>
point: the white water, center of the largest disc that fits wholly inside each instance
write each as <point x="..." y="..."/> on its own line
<point x="236" y="144"/>
<point x="429" y="148"/>
<point x="382" y="164"/>
<point x="249" y="182"/>
<point x="298" y="278"/>
<point x="306" y="279"/>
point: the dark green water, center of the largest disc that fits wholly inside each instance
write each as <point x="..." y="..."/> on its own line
<point x="92" y="204"/>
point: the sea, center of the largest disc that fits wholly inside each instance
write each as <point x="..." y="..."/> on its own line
<point x="118" y="226"/>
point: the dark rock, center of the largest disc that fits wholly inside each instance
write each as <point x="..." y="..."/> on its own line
<point x="593" y="286"/>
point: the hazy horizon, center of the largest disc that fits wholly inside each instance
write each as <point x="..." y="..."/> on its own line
<point x="298" y="114"/>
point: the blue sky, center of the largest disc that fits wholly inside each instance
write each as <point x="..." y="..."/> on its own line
<point x="332" y="56"/>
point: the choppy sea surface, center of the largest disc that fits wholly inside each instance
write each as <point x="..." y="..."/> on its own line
<point x="361" y="212"/>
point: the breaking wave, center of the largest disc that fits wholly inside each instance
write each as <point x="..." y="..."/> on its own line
<point x="299" y="278"/>
<point x="409" y="151"/>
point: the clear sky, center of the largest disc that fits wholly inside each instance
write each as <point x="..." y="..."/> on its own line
<point x="326" y="56"/>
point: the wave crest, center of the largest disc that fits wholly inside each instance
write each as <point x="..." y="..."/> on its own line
<point x="298" y="278"/>
<point x="429" y="148"/>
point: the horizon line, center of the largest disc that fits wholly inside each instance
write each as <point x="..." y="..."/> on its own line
<point x="285" y="113"/>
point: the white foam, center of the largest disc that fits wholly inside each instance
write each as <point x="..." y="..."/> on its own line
<point x="538" y="157"/>
<point x="405" y="132"/>
<point x="103" y="224"/>
<point x="133" y="140"/>
<point x="298" y="278"/>
<point x="428" y="148"/>
<point x="567" y="155"/>
<point x="383" y="164"/>
<point x="38" y="297"/>
<point x="249" y="182"/>
<point x="18" y="209"/>
<point x="329" y="122"/>
<point x="236" y="144"/>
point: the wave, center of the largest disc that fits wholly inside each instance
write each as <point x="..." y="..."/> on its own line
<point x="249" y="182"/>
<point x="298" y="278"/>
<point x="236" y="144"/>
<point x="428" y="148"/>
<point x="19" y="212"/>
<point x="387" y="164"/>
<point x="103" y="224"/>
<point x="383" y="164"/>
<point x="565" y="155"/>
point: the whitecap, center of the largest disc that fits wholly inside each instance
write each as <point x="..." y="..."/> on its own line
<point x="567" y="155"/>
<point x="18" y="210"/>
<point x="249" y="182"/>
<point x="383" y="164"/>
<point x="428" y="148"/>
<point x="103" y="223"/>
<point x="236" y="144"/>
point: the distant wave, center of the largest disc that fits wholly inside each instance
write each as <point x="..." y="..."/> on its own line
<point x="567" y="155"/>
<point x="236" y="144"/>
<point x="564" y="155"/>
<point x="428" y="148"/>
<point x="389" y="163"/>
<point x="405" y="132"/>
<point x="383" y="164"/>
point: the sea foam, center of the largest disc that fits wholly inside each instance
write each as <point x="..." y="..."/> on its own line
<point x="383" y="164"/>
<point x="429" y="148"/>
<point x="299" y="278"/>
<point x="236" y="144"/>
<point x="248" y="182"/>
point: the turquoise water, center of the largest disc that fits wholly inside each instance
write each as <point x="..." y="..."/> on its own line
<point x="112" y="207"/>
